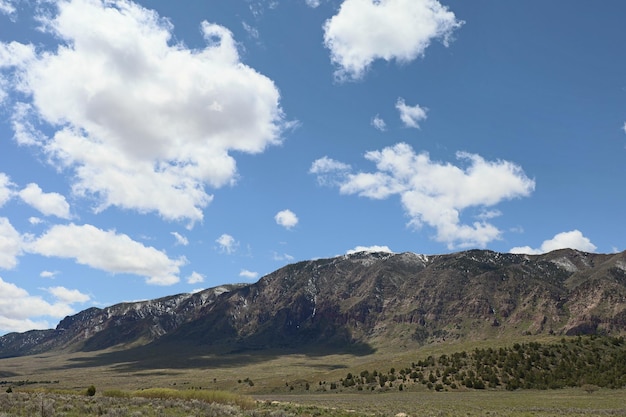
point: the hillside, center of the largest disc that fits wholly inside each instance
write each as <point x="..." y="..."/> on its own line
<point x="362" y="301"/>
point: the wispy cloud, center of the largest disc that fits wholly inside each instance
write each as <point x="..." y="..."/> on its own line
<point x="227" y="244"/>
<point x="411" y="116"/>
<point x="379" y="123"/>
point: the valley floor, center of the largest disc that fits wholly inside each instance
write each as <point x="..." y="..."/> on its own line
<point x="564" y="402"/>
<point x="524" y="403"/>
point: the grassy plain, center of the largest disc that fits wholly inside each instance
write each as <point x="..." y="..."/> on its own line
<point x="278" y="379"/>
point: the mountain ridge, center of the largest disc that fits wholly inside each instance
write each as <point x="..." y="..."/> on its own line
<point x="365" y="299"/>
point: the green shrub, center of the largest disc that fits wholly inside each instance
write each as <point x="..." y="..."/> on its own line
<point x="91" y="391"/>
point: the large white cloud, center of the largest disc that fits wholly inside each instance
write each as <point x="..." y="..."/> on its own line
<point x="434" y="193"/>
<point x="19" y="311"/>
<point x="10" y="244"/>
<point x="107" y="251"/>
<point x="572" y="240"/>
<point x="49" y="204"/>
<point x="145" y="123"/>
<point x="365" y="30"/>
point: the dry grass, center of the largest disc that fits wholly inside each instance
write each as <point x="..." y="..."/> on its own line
<point x="126" y="386"/>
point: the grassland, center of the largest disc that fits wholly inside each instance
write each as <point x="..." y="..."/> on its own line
<point x="194" y="382"/>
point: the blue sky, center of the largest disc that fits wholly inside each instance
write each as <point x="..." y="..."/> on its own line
<point x="155" y="147"/>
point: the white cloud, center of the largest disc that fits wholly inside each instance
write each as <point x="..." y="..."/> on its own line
<point x="286" y="218"/>
<point x="107" y="251"/>
<point x="326" y="164"/>
<point x="251" y="30"/>
<point x="67" y="296"/>
<point x="366" y="30"/>
<point x="48" y="274"/>
<point x="248" y="274"/>
<point x="34" y="220"/>
<point x="145" y="124"/>
<point x="49" y="204"/>
<point x="227" y="243"/>
<point x="572" y="240"/>
<point x="195" y="278"/>
<point x="435" y="193"/>
<point x="10" y="244"/>
<point x="180" y="239"/>
<point x="6" y="7"/>
<point x="372" y="249"/>
<point x="411" y="115"/>
<point x="6" y="189"/>
<point x="19" y="309"/>
<point x="379" y="123"/>
<point x="282" y="257"/>
<point x="624" y="127"/>
<point x="312" y="3"/>
<point x="11" y="55"/>
<point x="328" y="170"/>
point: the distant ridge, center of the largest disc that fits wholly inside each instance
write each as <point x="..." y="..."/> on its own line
<point x="365" y="299"/>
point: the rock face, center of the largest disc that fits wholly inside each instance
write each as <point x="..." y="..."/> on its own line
<point x="369" y="299"/>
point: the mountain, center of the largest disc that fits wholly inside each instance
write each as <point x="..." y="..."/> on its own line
<point x="365" y="299"/>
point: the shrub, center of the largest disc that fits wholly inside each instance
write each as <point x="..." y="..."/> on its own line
<point x="91" y="391"/>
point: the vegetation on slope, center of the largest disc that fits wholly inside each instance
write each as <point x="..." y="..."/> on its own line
<point x="590" y="361"/>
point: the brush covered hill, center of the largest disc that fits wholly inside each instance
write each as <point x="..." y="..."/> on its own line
<point x="365" y="300"/>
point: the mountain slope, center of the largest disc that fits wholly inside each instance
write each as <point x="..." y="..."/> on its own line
<point x="366" y="299"/>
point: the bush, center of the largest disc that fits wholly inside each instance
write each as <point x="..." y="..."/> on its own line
<point x="91" y="391"/>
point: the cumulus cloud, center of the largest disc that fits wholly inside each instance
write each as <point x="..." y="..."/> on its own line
<point x="145" y="124"/>
<point x="248" y="274"/>
<point x="18" y="309"/>
<point x="435" y="193"/>
<point x="180" y="239"/>
<point x="10" y="244"/>
<point x="371" y="249"/>
<point x="227" y="244"/>
<point x="411" y="115"/>
<point x="195" y="278"/>
<point x="107" y="251"/>
<point x="366" y="30"/>
<point x="67" y="296"/>
<point x="49" y="204"/>
<point x="379" y="123"/>
<point x="572" y="240"/>
<point x="286" y="218"/>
